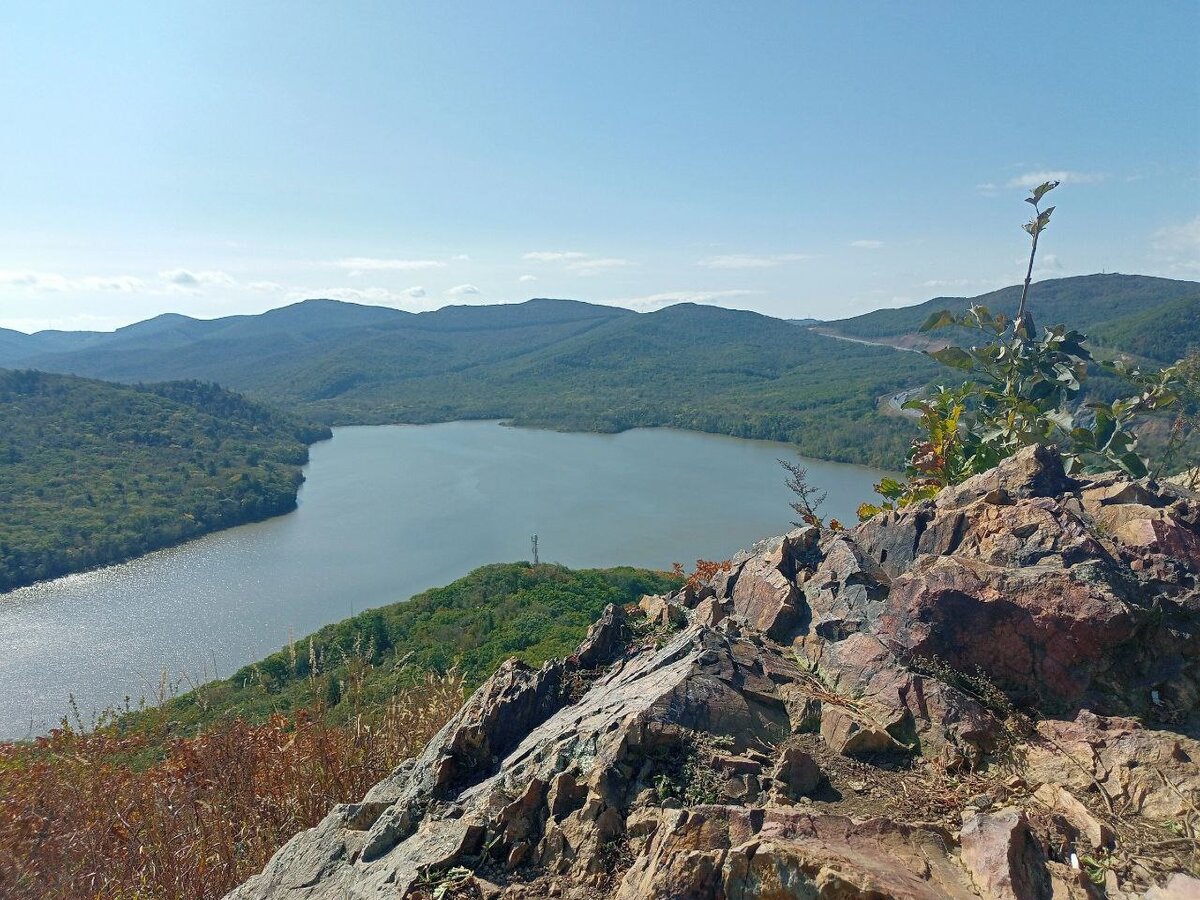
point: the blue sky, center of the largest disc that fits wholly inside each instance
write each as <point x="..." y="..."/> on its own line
<point x="800" y="159"/>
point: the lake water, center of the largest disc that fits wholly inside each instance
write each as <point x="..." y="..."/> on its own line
<point x="387" y="512"/>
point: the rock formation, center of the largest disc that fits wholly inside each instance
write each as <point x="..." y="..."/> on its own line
<point x="992" y="694"/>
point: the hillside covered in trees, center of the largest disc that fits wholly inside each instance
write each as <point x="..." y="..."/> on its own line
<point x="533" y="613"/>
<point x="1130" y="313"/>
<point x="581" y="366"/>
<point x="93" y="473"/>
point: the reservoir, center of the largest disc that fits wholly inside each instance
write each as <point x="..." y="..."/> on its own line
<point x="387" y="512"/>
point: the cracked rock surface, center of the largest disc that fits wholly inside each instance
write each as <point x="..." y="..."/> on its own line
<point x="961" y="699"/>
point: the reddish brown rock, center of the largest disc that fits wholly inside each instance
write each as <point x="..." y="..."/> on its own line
<point x="723" y="852"/>
<point x="1127" y="760"/>
<point x="1003" y="857"/>
<point x="1035" y="629"/>
<point x="594" y="775"/>
<point x="796" y="773"/>
<point x="1178" y="887"/>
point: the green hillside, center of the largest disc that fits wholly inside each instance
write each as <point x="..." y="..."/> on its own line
<point x="534" y="613"/>
<point x="1164" y="333"/>
<point x="571" y="365"/>
<point x="550" y="363"/>
<point x="92" y="473"/>
<point x="1083" y="302"/>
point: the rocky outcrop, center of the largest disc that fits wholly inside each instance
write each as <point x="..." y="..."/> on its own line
<point x="990" y="694"/>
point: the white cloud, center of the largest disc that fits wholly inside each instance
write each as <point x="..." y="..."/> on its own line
<point x="576" y="262"/>
<point x="527" y="278"/>
<point x="1066" y="176"/>
<point x="867" y="245"/>
<point x="667" y="298"/>
<point x="463" y="290"/>
<point x="553" y="255"/>
<point x="188" y="279"/>
<point x="265" y="287"/>
<point x="358" y="264"/>
<point x="415" y="292"/>
<point x="460" y="257"/>
<point x="747" y="261"/>
<point x="596" y="266"/>
<point x="44" y="281"/>
<point x="1177" y="247"/>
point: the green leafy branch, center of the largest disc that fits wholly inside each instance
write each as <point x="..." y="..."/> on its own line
<point x="1023" y="388"/>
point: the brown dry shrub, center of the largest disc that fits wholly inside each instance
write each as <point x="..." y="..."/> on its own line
<point x="79" y="818"/>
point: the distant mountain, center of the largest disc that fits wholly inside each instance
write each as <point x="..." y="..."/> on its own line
<point x="566" y="364"/>
<point x="92" y="473"/>
<point x="553" y="363"/>
<point x="1094" y="304"/>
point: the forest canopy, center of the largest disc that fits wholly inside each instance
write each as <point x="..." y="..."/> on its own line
<point x="93" y="473"/>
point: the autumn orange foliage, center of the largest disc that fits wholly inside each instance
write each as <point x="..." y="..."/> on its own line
<point x="87" y="815"/>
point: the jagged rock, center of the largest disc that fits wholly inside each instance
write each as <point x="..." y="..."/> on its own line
<point x="709" y="852"/>
<point x="851" y="734"/>
<point x="1004" y="858"/>
<point x="765" y="593"/>
<point x="710" y="611"/>
<point x="605" y="640"/>
<point x="1078" y="816"/>
<point x="796" y="773"/>
<point x="1035" y="471"/>
<point x="665" y="611"/>
<point x="690" y="769"/>
<point x="1128" y="761"/>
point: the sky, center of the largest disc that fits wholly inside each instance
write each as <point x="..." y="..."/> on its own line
<point x="796" y="158"/>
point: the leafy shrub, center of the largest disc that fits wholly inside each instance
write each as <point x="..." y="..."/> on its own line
<point x="1023" y="389"/>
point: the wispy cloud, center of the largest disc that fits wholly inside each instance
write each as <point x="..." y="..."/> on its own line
<point x="749" y="261"/>
<point x="186" y="278"/>
<point x="592" y="266"/>
<point x="867" y="245"/>
<point x="1177" y="248"/>
<point x="575" y="262"/>
<point x="359" y="264"/>
<point x="1066" y="176"/>
<point x="667" y="298"/>
<point x="463" y="290"/>
<point x="46" y="281"/>
<point x="553" y="255"/>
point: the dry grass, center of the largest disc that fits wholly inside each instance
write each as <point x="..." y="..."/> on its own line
<point x="83" y="816"/>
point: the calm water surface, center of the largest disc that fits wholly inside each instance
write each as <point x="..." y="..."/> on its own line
<point x="387" y="512"/>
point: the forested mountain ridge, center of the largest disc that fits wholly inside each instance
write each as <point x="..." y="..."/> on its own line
<point x="1111" y="305"/>
<point x="92" y="473"/>
<point x="567" y="364"/>
<point x="551" y="363"/>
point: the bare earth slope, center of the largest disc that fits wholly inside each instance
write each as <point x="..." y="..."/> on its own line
<point x="824" y="719"/>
